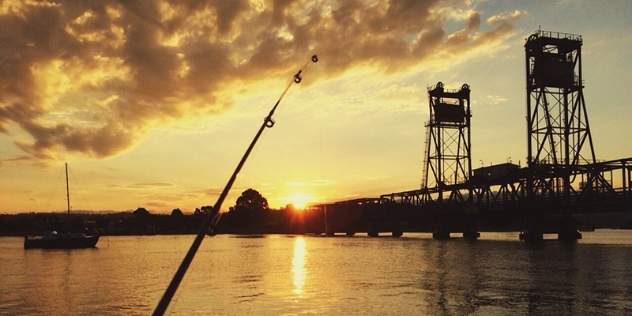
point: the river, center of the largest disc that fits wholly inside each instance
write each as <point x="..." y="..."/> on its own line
<point x="303" y="275"/>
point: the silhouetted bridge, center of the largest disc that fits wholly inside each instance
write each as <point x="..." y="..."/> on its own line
<point x="562" y="177"/>
<point x="496" y="199"/>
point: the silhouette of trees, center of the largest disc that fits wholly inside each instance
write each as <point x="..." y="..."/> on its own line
<point x="203" y="211"/>
<point x="250" y="213"/>
<point x="176" y="221"/>
<point x="141" y="212"/>
<point x="144" y="223"/>
<point x="176" y="213"/>
<point x="251" y="200"/>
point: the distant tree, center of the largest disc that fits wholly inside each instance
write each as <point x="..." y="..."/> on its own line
<point x="176" y="213"/>
<point x="251" y="211"/>
<point x="203" y="211"/>
<point x="251" y="200"/>
<point x="141" y="212"/>
<point x="142" y="219"/>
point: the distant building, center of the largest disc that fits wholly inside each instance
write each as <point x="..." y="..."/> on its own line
<point x="495" y="172"/>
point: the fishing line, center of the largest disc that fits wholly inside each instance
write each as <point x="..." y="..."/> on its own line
<point x="210" y="223"/>
<point x="297" y="78"/>
<point x="178" y="295"/>
<point x="325" y="195"/>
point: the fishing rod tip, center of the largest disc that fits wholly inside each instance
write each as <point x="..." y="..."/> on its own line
<point x="314" y="58"/>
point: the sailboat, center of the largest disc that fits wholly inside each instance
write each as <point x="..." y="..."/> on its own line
<point x="55" y="240"/>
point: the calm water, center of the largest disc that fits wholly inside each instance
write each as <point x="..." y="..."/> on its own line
<point x="289" y="275"/>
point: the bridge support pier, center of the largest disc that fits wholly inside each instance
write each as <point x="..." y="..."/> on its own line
<point x="396" y="230"/>
<point x="536" y="226"/>
<point x="373" y="231"/>
<point x="442" y="228"/>
<point x="446" y="224"/>
<point x="534" y="230"/>
<point x="441" y="234"/>
<point x="469" y="228"/>
<point x="531" y="236"/>
<point x="567" y="230"/>
<point x="471" y="234"/>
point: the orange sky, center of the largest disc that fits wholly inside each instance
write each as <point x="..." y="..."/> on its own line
<point x="152" y="104"/>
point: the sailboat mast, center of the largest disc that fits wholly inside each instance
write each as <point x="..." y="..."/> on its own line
<point x="67" y="191"/>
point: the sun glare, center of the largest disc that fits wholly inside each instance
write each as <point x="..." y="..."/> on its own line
<point x="299" y="200"/>
<point x="298" y="265"/>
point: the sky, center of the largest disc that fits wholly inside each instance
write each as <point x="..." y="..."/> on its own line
<point x="153" y="103"/>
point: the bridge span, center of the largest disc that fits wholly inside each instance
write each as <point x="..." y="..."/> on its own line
<point x="562" y="177"/>
<point x="493" y="199"/>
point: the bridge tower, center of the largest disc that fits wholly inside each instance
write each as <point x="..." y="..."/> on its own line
<point x="448" y="150"/>
<point x="557" y="122"/>
<point x="558" y="134"/>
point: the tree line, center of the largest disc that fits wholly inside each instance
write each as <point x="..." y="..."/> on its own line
<point x="250" y="214"/>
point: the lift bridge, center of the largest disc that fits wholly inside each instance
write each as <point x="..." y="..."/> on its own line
<point x="562" y="176"/>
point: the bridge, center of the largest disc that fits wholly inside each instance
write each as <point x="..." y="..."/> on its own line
<point x="562" y="176"/>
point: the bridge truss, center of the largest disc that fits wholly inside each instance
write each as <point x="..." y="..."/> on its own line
<point x="562" y="176"/>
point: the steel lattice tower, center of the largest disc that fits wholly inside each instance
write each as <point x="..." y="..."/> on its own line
<point x="557" y="122"/>
<point x="448" y="151"/>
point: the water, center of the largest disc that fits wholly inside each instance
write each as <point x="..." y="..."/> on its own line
<point x="301" y="275"/>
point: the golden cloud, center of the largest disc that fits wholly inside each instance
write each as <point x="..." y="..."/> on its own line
<point x="93" y="77"/>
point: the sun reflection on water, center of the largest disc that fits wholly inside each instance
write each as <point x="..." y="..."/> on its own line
<point x="298" y="265"/>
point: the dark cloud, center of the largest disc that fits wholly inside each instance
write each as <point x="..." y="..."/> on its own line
<point x="92" y="76"/>
<point x="473" y="21"/>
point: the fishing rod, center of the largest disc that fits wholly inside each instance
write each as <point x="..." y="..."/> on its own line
<point x="210" y="222"/>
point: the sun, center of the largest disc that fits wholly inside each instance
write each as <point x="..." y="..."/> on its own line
<point x="299" y="199"/>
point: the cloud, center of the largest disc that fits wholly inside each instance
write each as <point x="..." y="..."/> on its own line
<point x="150" y="184"/>
<point x="158" y="205"/>
<point x="93" y="77"/>
<point x="496" y="99"/>
<point x="19" y="158"/>
<point x="316" y="182"/>
<point x="506" y="17"/>
<point x="212" y="191"/>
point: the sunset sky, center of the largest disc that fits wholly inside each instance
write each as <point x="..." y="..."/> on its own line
<point x="153" y="103"/>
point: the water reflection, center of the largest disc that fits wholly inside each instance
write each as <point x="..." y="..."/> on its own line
<point x="412" y="275"/>
<point x="298" y="265"/>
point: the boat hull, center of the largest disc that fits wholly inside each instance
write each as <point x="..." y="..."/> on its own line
<point x="61" y="243"/>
